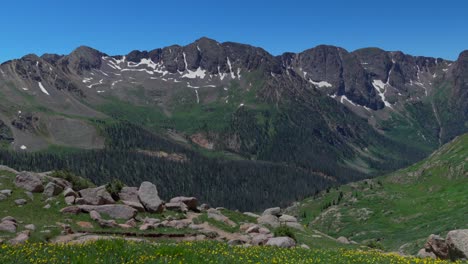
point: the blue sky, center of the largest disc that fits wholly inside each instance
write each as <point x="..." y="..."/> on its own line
<point x="429" y="28"/>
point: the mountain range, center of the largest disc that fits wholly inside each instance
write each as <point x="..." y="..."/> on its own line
<point x="323" y="113"/>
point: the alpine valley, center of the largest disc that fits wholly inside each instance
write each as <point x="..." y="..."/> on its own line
<point x="230" y="123"/>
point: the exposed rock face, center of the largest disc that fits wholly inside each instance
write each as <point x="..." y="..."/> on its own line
<point x="52" y="189"/>
<point x="426" y="254"/>
<point x="148" y="196"/>
<point x="29" y="181"/>
<point x="8" y="226"/>
<point x="129" y="194"/>
<point x="191" y="202"/>
<point x="283" y="242"/>
<point x="20" y="238"/>
<point x="457" y="242"/>
<point x="438" y="246"/>
<point x="96" y="196"/>
<point x="343" y="240"/>
<point x="270" y="220"/>
<point x="276" y="211"/>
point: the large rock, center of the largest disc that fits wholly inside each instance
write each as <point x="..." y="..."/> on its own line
<point x="295" y="225"/>
<point x="287" y="218"/>
<point x="343" y="240"/>
<point x="129" y="194"/>
<point x="137" y="205"/>
<point x="6" y="192"/>
<point x="438" y="246"/>
<point x="96" y="196"/>
<point x="457" y="242"/>
<point x="276" y="211"/>
<point x="21" y="202"/>
<point x="426" y="254"/>
<point x="148" y="195"/>
<point x="115" y="211"/>
<point x="260" y="239"/>
<point x="52" y="189"/>
<point x="20" y="238"/>
<point x="191" y="202"/>
<point x="70" y="192"/>
<point x="283" y="242"/>
<point x="29" y="181"/>
<point x="69" y="200"/>
<point x="251" y="214"/>
<point x="8" y="226"/>
<point x="269" y="219"/>
<point x="178" y="206"/>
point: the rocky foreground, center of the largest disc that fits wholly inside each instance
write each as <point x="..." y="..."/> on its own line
<point x="135" y="210"/>
<point x="139" y="214"/>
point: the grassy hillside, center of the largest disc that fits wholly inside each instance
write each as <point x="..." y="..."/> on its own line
<point x="400" y="210"/>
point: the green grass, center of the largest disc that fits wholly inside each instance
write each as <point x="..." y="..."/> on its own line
<point x="117" y="251"/>
<point x="404" y="207"/>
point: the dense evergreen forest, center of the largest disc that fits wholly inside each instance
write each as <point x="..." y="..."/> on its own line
<point x="237" y="184"/>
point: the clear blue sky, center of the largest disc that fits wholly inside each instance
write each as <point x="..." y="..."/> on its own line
<point x="430" y="28"/>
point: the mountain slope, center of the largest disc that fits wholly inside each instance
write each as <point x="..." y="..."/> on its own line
<point x="343" y="115"/>
<point x="402" y="209"/>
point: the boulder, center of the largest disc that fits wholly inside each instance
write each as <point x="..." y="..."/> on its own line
<point x="438" y="246"/>
<point x="69" y="200"/>
<point x="30" y="227"/>
<point x="260" y="239"/>
<point x="343" y="240"/>
<point x="151" y="221"/>
<point x="6" y="192"/>
<point x="191" y="202"/>
<point x="283" y="242"/>
<point x="137" y="205"/>
<point x="20" y="238"/>
<point x="8" y="226"/>
<point x="29" y="181"/>
<point x="148" y="195"/>
<point x="129" y="194"/>
<point x="253" y="229"/>
<point x="177" y="206"/>
<point x="251" y="214"/>
<point x="47" y="206"/>
<point x="115" y="211"/>
<point x="9" y="218"/>
<point x="52" y="189"/>
<point x="264" y="230"/>
<point x="218" y="216"/>
<point x="107" y="223"/>
<point x="94" y="215"/>
<point x="70" y="192"/>
<point x="204" y="207"/>
<point x="426" y="254"/>
<point x="276" y="211"/>
<point x="146" y="226"/>
<point x="131" y="223"/>
<point x="21" y="202"/>
<point x="287" y="218"/>
<point x="270" y="220"/>
<point x="457" y="242"/>
<point x="243" y="227"/>
<point x="96" y="196"/>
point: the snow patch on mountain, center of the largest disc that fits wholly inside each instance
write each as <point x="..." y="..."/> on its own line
<point x="380" y="88"/>
<point x="42" y="88"/>
<point x="321" y="84"/>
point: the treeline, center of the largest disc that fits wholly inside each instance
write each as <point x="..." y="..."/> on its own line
<point x="243" y="185"/>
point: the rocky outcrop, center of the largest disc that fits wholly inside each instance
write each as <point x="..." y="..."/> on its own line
<point x="148" y="196"/>
<point x="269" y="220"/>
<point x="96" y="196"/>
<point x="129" y="194"/>
<point x="115" y="211"/>
<point x="276" y="211"/>
<point x="52" y="189"/>
<point x="438" y="246"/>
<point x="190" y="202"/>
<point x="457" y="242"/>
<point x="283" y="242"/>
<point x="29" y="181"/>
